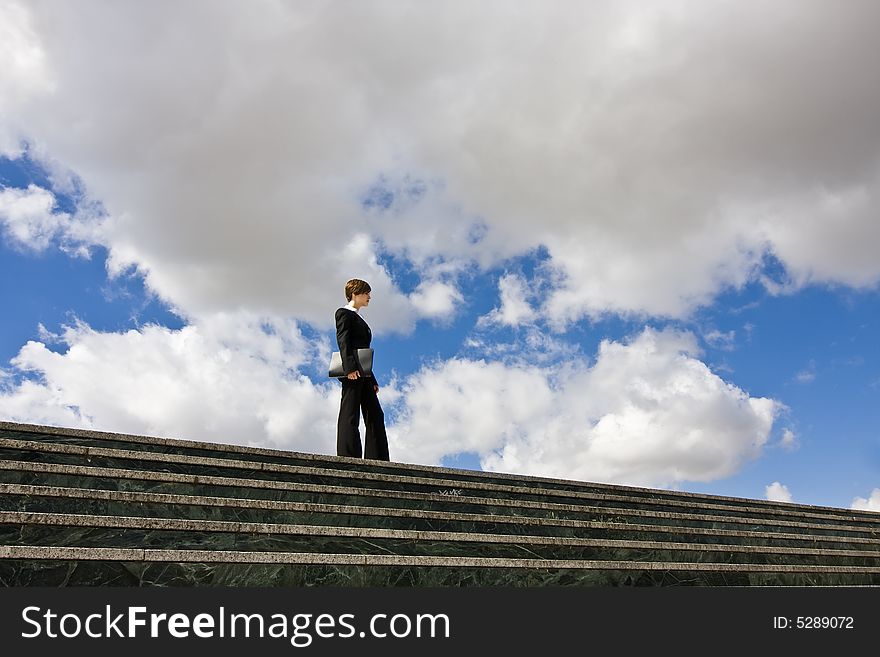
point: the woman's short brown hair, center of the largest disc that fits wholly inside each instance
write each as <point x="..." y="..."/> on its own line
<point x="356" y="286"/>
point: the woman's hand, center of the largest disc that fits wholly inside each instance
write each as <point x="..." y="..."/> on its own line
<point x="353" y="375"/>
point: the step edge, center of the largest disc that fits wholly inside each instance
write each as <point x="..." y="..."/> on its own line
<point x="91" y="433"/>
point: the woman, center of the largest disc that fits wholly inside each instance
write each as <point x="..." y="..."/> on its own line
<point x="358" y="390"/>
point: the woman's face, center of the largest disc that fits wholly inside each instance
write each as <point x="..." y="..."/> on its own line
<point x="361" y="300"/>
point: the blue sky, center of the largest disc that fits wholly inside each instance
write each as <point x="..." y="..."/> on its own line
<point x="584" y="263"/>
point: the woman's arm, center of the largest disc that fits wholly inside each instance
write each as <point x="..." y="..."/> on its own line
<point x="343" y="333"/>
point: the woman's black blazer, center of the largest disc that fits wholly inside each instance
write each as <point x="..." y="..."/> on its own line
<point x="352" y="333"/>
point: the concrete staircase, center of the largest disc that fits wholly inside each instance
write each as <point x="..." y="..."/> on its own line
<point x="90" y="508"/>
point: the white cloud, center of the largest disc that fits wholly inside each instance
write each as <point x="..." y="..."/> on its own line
<point x="657" y="152"/>
<point x="789" y="440"/>
<point x="721" y="340"/>
<point x="231" y="378"/>
<point x="515" y="307"/>
<point x="825" y="234"/>
<point x="777" y="492"/>
<point x="435" y="299"/>
<point x="23" y="71"/>
<point x="645" y="413"/>
<point x="806" y="375"/>
<point x="28" y="219"/>
<point x="870" y="504"/>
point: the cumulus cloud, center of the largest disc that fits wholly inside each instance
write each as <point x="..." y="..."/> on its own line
<point x="777" y="492"/>
<point x="28" y="219"/>
<point x="721" y="340"/>
<point x="789" y="440"/>
<point x="806" y="375"/>
<point x="24" y="72"/>
<point x="232" y="378"/>
<point x="657" y="152"/>
<point x="251" y="157"/>
<point x="820" y="234"/>
<point x="515" y="306"/>
<point x="646" y="412"/>
<point x="435" y="299"/>
<point x="871" y="503"/>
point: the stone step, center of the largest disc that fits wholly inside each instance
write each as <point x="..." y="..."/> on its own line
<point x="593" y="528"/>
<point x="35" y="452"/>
<point x="84" y="507"/>
<point x="700" y="528"/>
<point x="60" y="530"/>
<point x="214" y="453"/>
<point x="39" y="499"/>
<point x="53" y="566"/>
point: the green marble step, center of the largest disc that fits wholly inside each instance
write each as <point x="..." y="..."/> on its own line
<point x="632" y="529"/>
<point x="35" y="452"/>
<point x="117" y="573"/>
<point x="84" y="507"/>
<point x="37" y="499"/>
<point x="446" y="478"/>
<point x="59" y="530"/>
<point x="87" y="477"/>
<point x="199" y="466"/>
<point x="47" y="566"/>
<point x="621" y="520"/>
